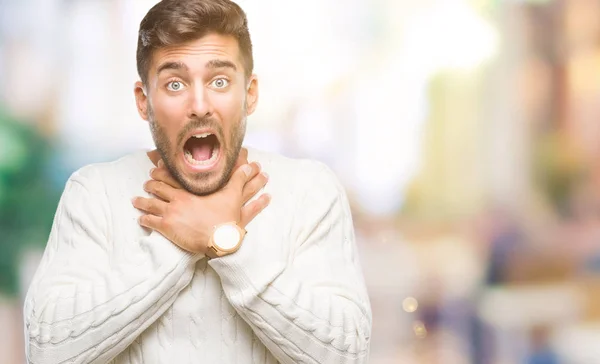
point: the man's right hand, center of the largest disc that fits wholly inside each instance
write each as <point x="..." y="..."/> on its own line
<point x="250" y="189"/>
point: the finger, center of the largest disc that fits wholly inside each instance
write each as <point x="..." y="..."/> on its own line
<point x="150" y="205"/>
<point x="152" y="222"/>
<point x="160" y="189"/>
<point x="242" y="158"/>
<point x="163" y="175"/>
<point x="254" y="185"/>
<point x="251" y="210"/>
<point x="242" y="175"/>
<point x="255" y="170"/>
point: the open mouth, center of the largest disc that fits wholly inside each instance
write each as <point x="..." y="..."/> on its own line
<point x="202" y="149"/>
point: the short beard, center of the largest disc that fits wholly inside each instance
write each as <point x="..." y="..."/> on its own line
<point x="198" y="184"/>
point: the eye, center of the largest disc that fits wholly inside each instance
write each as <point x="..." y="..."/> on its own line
<point x="175" y="86"/>
<point x="220" y="83"/>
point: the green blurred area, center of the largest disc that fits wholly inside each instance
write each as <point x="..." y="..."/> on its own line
<point x="28" y="197"/>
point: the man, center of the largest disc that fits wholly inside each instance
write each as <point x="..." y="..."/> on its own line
<point x="180" y="255"/>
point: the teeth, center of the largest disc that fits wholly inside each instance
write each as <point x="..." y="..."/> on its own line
<point x="209" y="161"/>
<point x="204" y="135"/>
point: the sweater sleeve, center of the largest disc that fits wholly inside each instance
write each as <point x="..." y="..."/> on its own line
<point x="307" y="304"/>
<point x="92" y="296"/>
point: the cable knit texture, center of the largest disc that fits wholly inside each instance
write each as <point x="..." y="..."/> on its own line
<point x="110" y="291"/>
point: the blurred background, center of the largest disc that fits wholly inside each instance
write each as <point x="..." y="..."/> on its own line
<point x="465" y="131"/>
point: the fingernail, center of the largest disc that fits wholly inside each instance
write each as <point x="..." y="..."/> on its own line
<point x="247" y="169"/>
<point x="152" y="171"/>
<point x="133" y="200"/>
<point x="259" y="166"/>
<point x="266" y="175"/>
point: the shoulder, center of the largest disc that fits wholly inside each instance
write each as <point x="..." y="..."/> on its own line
<point x="103" y="174"/>
<point x="306" y="177"/>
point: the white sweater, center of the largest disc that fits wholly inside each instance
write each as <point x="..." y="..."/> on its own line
<point x="108" y="290"/>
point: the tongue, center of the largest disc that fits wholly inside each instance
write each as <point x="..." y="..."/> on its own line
<point x="201" y="151"/>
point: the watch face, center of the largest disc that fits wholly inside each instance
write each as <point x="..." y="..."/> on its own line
<point x="226" y="237"/>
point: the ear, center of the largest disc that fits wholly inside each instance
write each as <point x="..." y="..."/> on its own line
<point x="252" y="95"/>
<point x="141" y="100"/>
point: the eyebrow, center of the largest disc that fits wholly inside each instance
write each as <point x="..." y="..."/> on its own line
<point x="171" y="66"/>
<point x="219" y="63"/>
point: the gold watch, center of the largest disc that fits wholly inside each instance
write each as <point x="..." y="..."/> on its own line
<point x="226" y="239"/>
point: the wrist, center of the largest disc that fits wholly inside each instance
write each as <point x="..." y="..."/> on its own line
<point x="226" y="239"/>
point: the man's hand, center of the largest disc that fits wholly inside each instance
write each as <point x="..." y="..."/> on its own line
<point x="188" y="220"/>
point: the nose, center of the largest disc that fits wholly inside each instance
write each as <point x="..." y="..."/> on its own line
<point x="200" y="105"/>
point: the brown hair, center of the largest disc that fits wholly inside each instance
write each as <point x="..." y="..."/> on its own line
<point x="173" y="22"/>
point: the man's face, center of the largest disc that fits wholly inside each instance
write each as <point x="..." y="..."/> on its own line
<point x="196" y="100"/>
